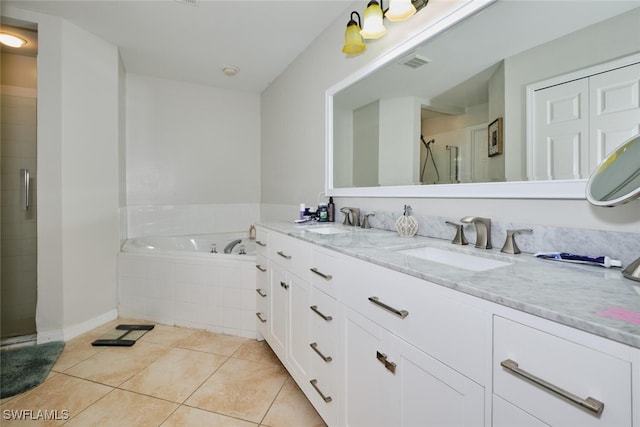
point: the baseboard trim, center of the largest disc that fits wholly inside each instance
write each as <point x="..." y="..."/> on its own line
<point x="78" y="329"/>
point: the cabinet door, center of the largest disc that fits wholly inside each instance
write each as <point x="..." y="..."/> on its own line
<point x="367" y="383"/>
<point x="279" y="311"/>
<point x="430" y="393"/>
<point x="560" y="144"/>
<point x="615" y="110"/>
<point x="507" y="415"/>
<point x="298" y="325"/>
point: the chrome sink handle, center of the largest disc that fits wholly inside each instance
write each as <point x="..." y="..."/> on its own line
<point x="459" y="238"/>
<point x="510" y="246"/>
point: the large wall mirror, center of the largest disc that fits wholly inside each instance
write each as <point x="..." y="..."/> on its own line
<point x="466" y="111"/>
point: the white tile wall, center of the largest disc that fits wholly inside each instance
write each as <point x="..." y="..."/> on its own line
<point x="190" y="219"/>
<point x="212" y="294"/>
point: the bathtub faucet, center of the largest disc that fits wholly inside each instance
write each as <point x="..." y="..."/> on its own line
<point x="230" y="246"/>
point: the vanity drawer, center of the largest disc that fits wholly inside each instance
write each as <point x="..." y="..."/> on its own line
<point x="323" y="321"/>
<point x="428" y="316"/>
<point x="292" y="254"/>
<point x="262" y="241"/>
<point x="558" y="367"/>
<point x="327" y="270"/>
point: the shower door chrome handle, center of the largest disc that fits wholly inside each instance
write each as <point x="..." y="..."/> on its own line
<point x="25" y="177"/>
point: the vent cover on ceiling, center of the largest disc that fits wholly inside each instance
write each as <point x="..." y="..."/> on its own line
<point x="189" y="2"/>
<point x="414" y="60"/>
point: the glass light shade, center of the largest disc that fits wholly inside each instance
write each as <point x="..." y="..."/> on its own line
<point x="353" y="43"/>
<point x="11" y="40"/>
<point x="399" y="10"/>
<point x="373" y="28"/>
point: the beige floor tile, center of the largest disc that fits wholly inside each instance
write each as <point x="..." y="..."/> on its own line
<point x="167" y="335"/>
<point x="77" y="350"/>
<point x="258" y="351"/>
<point x="186" y="416"/>
<point x="124" y="408"/>
<point x="240" y="388"/>
<point x="58" y="393"/>
<point x="210" y="342"/>
<point x="292" y="409"/>
<point x="115" y="365"/>
<point x="175" y="375"/>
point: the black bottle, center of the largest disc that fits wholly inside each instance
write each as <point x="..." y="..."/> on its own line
<point x="331" y="207"/>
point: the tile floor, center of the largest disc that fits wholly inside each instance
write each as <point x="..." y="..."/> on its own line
<point x="171" y="377"/>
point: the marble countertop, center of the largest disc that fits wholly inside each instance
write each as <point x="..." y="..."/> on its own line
<point x="571" y="294"/>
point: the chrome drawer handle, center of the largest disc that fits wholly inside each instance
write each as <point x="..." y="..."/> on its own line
<point x="589" y="403"/>
<point x="321" y="274"/>
<point x="314" y="383"/>
<point x="391" y="367"/>
<point x="314" y="346"/>
<point x="259" y="315"/>
<point x="260" y="243"/>
<point x="314" y="308"/>
<point x="399" y="313"/>
<point x="283" y="255"/>
<point x="284" y="285"/>
<point x="261" y="268"/>
<point x="262" y="294"/>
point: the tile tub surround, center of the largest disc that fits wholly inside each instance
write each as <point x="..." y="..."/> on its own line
<point x="177" y="377"/>
<point x="214" y="294"/>
<point x="163" y="220"/>
<point x="617" y="245"/>
<point x="569" y="294"/>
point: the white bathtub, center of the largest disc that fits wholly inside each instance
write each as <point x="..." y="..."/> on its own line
<point x="192" y="245"/>
<point x="176" y="280"/>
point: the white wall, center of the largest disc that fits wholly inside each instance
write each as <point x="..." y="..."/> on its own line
<point x="90" y="179"/>
<point x="293" y="134"/>
<point x="78" y="177"/>
<point x="191" y="144"/>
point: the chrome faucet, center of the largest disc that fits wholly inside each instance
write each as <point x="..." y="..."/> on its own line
<point x="351" y="216"/>
<point x="355" y="215"/>
<point x="483" y="230"/>
<point x="230" y="246"/>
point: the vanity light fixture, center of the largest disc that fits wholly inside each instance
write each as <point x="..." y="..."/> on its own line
<point x="11" y="40"/>
<point x="353" y="43"/>
<point x="399" y="10"/>
<point x="373" y="27"/>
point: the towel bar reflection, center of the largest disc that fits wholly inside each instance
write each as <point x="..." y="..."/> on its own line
<point x="24" y="176"/>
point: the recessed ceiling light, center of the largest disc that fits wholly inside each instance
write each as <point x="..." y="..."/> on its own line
<point x="11" y="40"/>
<point x="230" y="70"/>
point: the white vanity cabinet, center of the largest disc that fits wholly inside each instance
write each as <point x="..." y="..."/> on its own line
<point x="410" y="353"/>
<point x="371" y="346"/>
<point x="550" y="380"/>
<point x="289" y="261"/>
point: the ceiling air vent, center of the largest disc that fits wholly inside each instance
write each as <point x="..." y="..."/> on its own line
<point x="415" y="61"/>
<point x="189" y="2"/>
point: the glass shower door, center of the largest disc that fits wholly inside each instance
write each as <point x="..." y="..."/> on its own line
<point x="18" y="214"/>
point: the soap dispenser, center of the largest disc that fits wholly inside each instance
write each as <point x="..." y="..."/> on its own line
<point x="406" y="225"/>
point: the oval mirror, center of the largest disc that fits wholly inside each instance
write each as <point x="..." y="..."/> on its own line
<point x="617" y="179"/>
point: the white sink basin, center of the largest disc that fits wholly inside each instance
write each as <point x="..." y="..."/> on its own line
<point x="455" y="259"/>
<point x="327" y="230"/>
